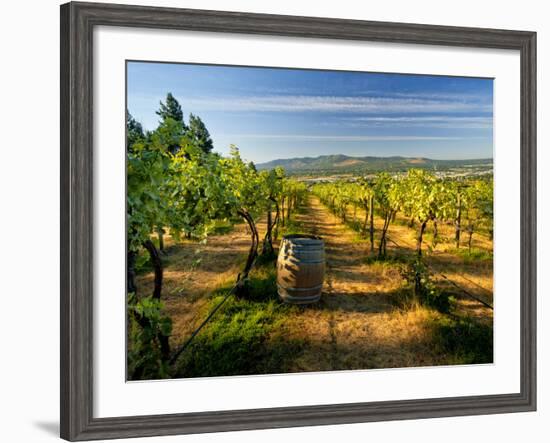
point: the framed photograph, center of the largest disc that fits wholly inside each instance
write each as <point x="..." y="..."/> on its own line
<point x="273" y="221"/>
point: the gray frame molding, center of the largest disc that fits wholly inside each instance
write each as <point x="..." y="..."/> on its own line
<point x="77" y="24"/>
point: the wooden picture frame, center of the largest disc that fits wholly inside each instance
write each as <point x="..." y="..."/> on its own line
<point x="77" y="23"/>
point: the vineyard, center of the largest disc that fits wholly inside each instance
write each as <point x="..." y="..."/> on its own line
<point x="408" y="255"/>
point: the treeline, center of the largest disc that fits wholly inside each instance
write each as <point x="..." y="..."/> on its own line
<point x="171" y="129"/>
<point x="176" y="182"/>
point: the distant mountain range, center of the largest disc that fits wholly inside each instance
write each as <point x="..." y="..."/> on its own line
<point x="340" y="163"/>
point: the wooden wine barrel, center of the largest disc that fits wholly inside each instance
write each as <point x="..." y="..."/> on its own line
<point x="301" y="269"/>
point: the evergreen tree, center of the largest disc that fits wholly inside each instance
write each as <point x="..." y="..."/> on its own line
<point x="171" y="127"/>
<point x="169" y="135"/>
<point x="198" y="133"/>
<point x="171" y="109"/>
<point x="134" y="131"/>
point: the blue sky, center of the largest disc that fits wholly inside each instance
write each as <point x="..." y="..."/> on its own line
<point x="274" y="113"/>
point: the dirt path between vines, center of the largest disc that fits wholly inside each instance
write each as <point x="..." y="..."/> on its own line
<point x="357" y="324"/>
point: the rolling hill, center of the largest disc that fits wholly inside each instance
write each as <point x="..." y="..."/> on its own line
<point x="335" y="164"/>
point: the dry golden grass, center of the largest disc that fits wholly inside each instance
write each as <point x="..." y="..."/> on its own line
<point x="417" y="161"/>
<point x="349" y="162"/>
<point x="474" y="275"/>
<point x="360" y="323"/>
<point x="186" y="286"/>
<point x="357" y="324"/>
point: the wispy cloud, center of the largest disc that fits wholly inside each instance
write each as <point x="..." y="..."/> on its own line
<point x="337" y="104"/>
<point x="429" y="95"/>
<point x="339" y="138"/>
<point x="280" y="113"/>
<point x="447" y="122"/>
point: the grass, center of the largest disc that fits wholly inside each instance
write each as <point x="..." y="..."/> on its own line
<point x="144" y="265"/>
<point x="464" y="340"/>
<point x="231" y="343"/>
<point x="235" y="341"/>
<point x="259" y="335"/>
<point x="222" y="227"/>
<point x="292" y="227"/>
<point x="366" y="317"/>
<point x="473" y="256"/>
<point x="385" y="261"/>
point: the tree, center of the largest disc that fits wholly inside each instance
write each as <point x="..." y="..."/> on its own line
<point x="457" y="190"/>
<point x="246" y="198"/>
<point x="171" y="127"/>
<point x="478" y="207"/>
<point x="146" y="204"/>
<point x="134" y="131"/>
<point x="387" y="194"/>
<point x="146" y="210"/>
<point x="181" y="191"/>
<point x="169" y="136"/>
<point x="273" y="182"/>
<point x="171" y="109"/>
<point x="337" y="196"/>
<point x="292" y="192"/>
<point x="198" y="134"/>
<point x="198" y="194"/>
<point x="365" y="198"/>
<point x="425" y="198"/>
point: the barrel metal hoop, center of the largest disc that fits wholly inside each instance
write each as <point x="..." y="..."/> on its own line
<point x="312" y="262"/>
<point x="300" y="289"/>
